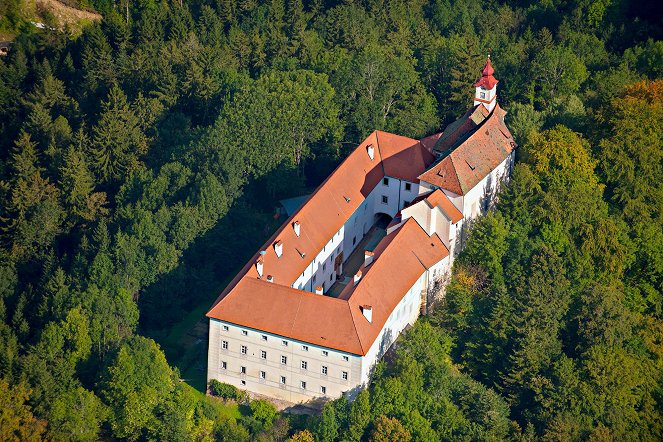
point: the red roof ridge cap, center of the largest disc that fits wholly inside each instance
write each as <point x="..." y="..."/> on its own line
<point x="354" y="326"/>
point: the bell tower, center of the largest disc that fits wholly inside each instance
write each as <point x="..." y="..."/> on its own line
<point x="486" y="87"/>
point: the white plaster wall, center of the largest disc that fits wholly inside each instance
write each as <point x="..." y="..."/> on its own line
<point x="321" y="269"/>
<point x="473" y="205"/>
<point x="406" y="312"/>
<point x="271" y="365"/>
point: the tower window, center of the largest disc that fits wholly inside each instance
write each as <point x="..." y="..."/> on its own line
<point x="408" y="186"/>
<point x="385" y="181"/>
<point x="385" y="199"/>
<point x="482" y="94"/>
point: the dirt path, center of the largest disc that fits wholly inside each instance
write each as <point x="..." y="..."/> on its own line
<point x="65" y="14"/>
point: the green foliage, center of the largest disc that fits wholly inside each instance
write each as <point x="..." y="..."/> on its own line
<point x="137" y="382"/>
<point x="16" y="420"/>
<point x="132" y="150"/>
<point x="225" y="391"/>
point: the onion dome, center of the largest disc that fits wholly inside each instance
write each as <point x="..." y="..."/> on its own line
<point x="487" y="81"/>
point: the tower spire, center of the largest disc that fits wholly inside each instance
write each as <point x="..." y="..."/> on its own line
<point x="486" y="87"/>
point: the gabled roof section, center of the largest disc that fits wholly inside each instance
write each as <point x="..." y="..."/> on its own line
<point x="284" y="311"/>
<point x="466" y="163"/>
<point x="402" y="156"/>
<point x="408" y="249"/>
<point x="461" y="128"/>
<point x="437" y="198"/>
<point x="319" y="218"/>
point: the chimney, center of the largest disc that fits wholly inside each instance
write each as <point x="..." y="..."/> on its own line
<point x="278" y="248"/>
<point x="357" y="277"/>
<point x="371" y="151"/>
<point x="297" y="227"/>
<point x="318" y="290"/>
<point x="270" y="278"/>
<point x="368" y="258"/>
<point x="259" y="266"/>
<point x="367" y="310"/>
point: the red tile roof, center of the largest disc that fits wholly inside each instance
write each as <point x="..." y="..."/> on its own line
<point x="466" y="164"/>
<point x="325" y="212"/>
<point x="437" y="198"/>
<point x="487" y="80"/>
<point x="408" y="249"/>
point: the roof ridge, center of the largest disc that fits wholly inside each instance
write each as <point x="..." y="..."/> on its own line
<point x="453" y="165"/>
<point x="377" y="141"/>
<point x="354" y="325"/>
<point x="294" y="320"/>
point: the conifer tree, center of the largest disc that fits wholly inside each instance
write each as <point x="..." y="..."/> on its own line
<point x="117" y="139"/>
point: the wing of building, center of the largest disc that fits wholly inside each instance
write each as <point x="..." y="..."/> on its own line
<point x="325" y="297"/>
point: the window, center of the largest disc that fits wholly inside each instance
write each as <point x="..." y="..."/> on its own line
<point x="303" y="385"/>
<point x="345" y="358"/>
<point x="385" y="181"/>
<point x="354" y="240"/>
<point x="242" y="370"/>
<point x="323" y="389"/>
<point x="243" y="382"/>
<point x="263" y="375"/>
<point x="245" y="333"/>
<point x="284" y="343"/>
<point x="385" y="199"/>
<point x="304" y="365"/>
<point x="282" y="380"/>
<point x="315" y="277"/>
<point x="325" y="353"/>
<point x="224" y="365"/>
<point x="406" y="203"/>
<point x="324" y="266"/>
<point x="225" y="328"/>
<point x="243" y="349"/>
<point x="224" y="345"/>
<point x="482" y="94"/>
<point x="263" y="354"/>
<point x="284" y="359"/>
<point x="264" y="337"/>
<point x="408" y="186"/>
<point x="344" y="375"/>
<point x="331" y="277"/>
<point x="324" y="370"/>
<point x="305" y="347"/>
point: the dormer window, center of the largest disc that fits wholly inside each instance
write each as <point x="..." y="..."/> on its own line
<point x="278" y="248"/>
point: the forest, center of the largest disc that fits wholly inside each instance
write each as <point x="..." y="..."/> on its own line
<point x="142" y="160"/>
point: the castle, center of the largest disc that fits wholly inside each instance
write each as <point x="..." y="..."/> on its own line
<point x="327" y="295"/>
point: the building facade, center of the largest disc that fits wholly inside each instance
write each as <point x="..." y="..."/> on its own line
<point x="319" y="304"/>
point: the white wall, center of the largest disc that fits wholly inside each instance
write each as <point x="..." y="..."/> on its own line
<point x="473" y="202"/>
<point x="406" y="312"/>
<point x="321" y="269"/>
<point x="290" y="391"/>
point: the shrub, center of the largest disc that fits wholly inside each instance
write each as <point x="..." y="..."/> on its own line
<point x="225" y="391"/>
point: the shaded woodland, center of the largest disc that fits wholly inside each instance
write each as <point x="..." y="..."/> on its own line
<point x="141" y="162"/>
